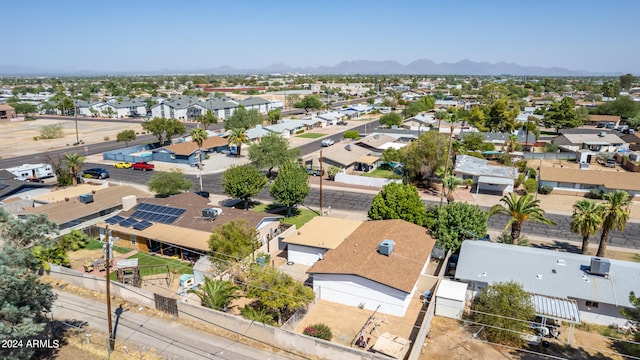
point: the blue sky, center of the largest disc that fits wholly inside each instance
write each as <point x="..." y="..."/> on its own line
<point x="139" y="35"/>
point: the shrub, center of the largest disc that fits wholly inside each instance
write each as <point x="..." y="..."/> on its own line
<point x="546" y="189"/>
<point x="519" y="181"/>
<point x="476" y="154"/>
<point x="300" y="131"/>
<point x="106" y="138"/>
<point x="530" y="185"/>
<point x="351" y="134"/>
<point x="35" y="138"/>
<point x="594" y="194"/>
<point x="532" y="173"/>
<point x="53" y="131"/>
<point x="320" y="331"/>
<point x="332" y="171"/>
<point x="549" y="147"/>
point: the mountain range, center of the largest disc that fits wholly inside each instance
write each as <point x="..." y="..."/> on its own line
<point x="421" y="66"/>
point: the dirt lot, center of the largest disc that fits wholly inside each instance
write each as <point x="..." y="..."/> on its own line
<point x="16" y="138"/>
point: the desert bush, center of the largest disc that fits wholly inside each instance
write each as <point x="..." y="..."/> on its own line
<point x="52" y="131"/>
<point x="546" y="189"/>
<point x="530" y="185"/>
<point x="594" y="194"/>
<point x="106" y="138"/>
<point x="319" y="330"/>
<point x="351" y="134"/>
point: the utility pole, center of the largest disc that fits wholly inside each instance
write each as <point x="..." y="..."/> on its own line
<point x="75" y="113"/>
<point x="107" y="247"/>
<point x="321" y="175"/>
<point x="446" y="166"/>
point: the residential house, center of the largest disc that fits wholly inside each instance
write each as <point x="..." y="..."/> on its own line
<point x="595" y="142"/>
<point x="499" y="139"/>
<point x="222" y="108"/>
<point x="7" y="112"/>
<point x="356" y="110"/>
<point x="343" y="155"/>
<point x="88" y="108"/>
<point x="594" y="120"/>
<point x="422" y="121"/>
<point x="186" y="152"/>
<point x="582" y="180"/>
<point x="10" y="187"/>
<point x="256" y="133"/>
<point x="331" y="117"/>
<point x="312" y="241"/>
<point x="376" y="267"/>
<point x="489" y="178"/>
<point x="177" y="225"/>
<point x="601" y="287"/>
<point x="377" y="142"/>
<point x="256" y="103"/>
<point x="74" y="206"/>
<point x="175" y="108"/>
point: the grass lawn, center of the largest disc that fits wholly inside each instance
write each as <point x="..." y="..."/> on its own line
<point x="145" y="259"/>
<point x="310" y="135"/>
<point x="386" y="174"/>
<point x="94" y="244"/>
<point x="299" y="216"/>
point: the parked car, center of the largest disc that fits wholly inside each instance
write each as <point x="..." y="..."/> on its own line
<point x="327" y="142"/>
<point x="610" y="125"/>
<point x="341" y="122"/>
<point x="122" y="165"/>
<point x="610" y="163"/>
<point x="314" y="171"/>
<point x="142" y="165"/>
<point x="96" y="173"/>
<point x="628" y="131"/>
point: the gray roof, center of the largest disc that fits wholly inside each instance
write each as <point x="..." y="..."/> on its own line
<point x="470" y="165"/>
<point x="490" y="263"/>
<point x="504" y="137"/>
<point x="579" y="139"/>
<point x="217" y="104"/>
<point x="339" y="155"/>
<point x="254" y="100"/>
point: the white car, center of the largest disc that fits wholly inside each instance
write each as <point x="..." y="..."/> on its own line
<point x="327" y="142"/>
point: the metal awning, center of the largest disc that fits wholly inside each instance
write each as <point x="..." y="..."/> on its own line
<point x="556" y="308"/>
<point x="494" y="180"/>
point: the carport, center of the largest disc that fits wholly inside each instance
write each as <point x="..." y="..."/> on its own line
<point x="559" y="309"/>
<point x="494" y="184"/>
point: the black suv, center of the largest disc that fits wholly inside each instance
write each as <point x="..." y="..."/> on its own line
<point x="97" y="173"/>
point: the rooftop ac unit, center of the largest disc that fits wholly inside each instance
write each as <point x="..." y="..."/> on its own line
<point x="211" y="213"/>
<point x="386" y="247"/>
<point x="86" y="198"/>
<point x="600" y="266"/>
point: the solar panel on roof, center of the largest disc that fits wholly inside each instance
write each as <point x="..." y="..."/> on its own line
<point x="142" y="225"/>
<point x="157" y="213"/>
<point x="114" y="219"/>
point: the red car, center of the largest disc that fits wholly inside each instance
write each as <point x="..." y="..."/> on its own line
<point x="142" y="165"/>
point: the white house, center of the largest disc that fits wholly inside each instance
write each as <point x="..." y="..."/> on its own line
<point x="257" y="103"/>
<point x="450" y="299"/>
<point x="376" y="267"/>
<point x="312" y="241"/>
<point x="600" y="287"/>
<point x="493" y="178"/>
<point x="175" y="108"/>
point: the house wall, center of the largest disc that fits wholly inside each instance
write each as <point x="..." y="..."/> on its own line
<point x="604" y="314"/>
<point x="301" y="254"/>
<point x="352" y="290"/>
<point x="449" y="308"/>
<point x="123" y="112"/>
<point x="364" y="180"/>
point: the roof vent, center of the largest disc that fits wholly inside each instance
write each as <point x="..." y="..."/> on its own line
<point x="348" y="147"/>
<point x="86" y="198"/>
<point x="386" y="247"/>
<point x="600" y="266"/>
<point x="602" y="133"/>
<point x="211" y="213"/>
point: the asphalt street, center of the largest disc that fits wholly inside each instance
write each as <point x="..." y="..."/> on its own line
<point x="169" y="338"/>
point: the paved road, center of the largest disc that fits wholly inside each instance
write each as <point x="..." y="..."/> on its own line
<point x="171" y="339"/>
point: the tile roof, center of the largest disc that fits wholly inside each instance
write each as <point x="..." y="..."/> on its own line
<point x="358" y="255"/>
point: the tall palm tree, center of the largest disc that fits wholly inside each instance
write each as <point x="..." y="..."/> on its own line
<point x="520" y="209"/>
<point x="451" y="183"/>
<point x="511" y="144"/>
<point x="74" y="163"/>
<point x="586" y="220"/>
<point x="216" y="294"/>
<point x="617" y="208"/>
<point x="199" y="135"/>
<point x="238" y="137"/>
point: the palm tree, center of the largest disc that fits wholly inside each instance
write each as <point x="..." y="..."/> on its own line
<point x="615" y="215"/>
<point x="451" y="183"/>
<point x="520" y="209"/>
<point x="199" y="135"/>
<point x="511" y="144"/>
<point x="238" y="137"/>
<point x="74" y="163"/>
<point x="586" y="220"/>
<point x="216" y="294"/>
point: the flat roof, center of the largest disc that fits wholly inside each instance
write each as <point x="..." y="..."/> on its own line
<point x="453" y="290"/>
<point x="495" y="180"/>
<point x="323" y="232"/>
<point x="556" y="308"/>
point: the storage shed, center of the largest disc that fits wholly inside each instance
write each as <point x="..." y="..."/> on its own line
<point x="450" y="299"/>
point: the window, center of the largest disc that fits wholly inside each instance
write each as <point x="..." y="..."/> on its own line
<point x="592" y="304"/>
<point x="133" y="239"/>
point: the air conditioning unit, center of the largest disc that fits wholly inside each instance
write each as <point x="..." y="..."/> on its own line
<point x="86" y="198"/>
<point x="211" y="213"/>
<point x="600" y="266"/>
<point x="386" y="247"/>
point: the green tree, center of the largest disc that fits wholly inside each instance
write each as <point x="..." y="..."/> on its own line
<point x="50" y="254"/>
<point x="74" y="240"/>
<point x="519" y="209"/>
<point x="309" y="102"/>
<point x="243" y="119"/>
<point x="391" y="119"/>
<point x="623" y="106"/>
<point x="615" y="215"/>
<point x="626" y="81"/>
<point x="277" y="292"/>
<point x="163" y="128"/>
<point x="634" y="121"/>
<point x="237" y="137"/>
<point x="274" y="116"/>
<point x="586" y="220"/>
<point x="126" y="136"/>
<point x="392" y="155"/>
<point x="501" y="116"/>
<point x="506" y="311"/>
<point x="425" y="155"/>
<point x="272" y="150"/>
<point x="24" y="108"/>
<point x="169" y="183"/>
<point x="216" y="294"/>
<point x="173" y="127"/>
<point x="458" y="221"/>
<point x="351" y="134"/>
<point x="254" y="314"/>
<point x="561" y="115"/>
<point x="398" y="201"/>
<point x="451" y="183"/>
<point x="243" y="182"/>
<point x="199" y="135"/>
<point x="207" y="119"/>
<point x="235" y="241"/>
<point x="74" y="164"/>
<point x="291" y="186"/>
<point x="634" y="315"/>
